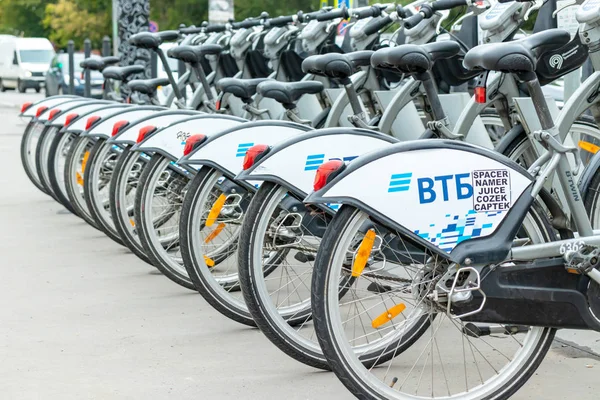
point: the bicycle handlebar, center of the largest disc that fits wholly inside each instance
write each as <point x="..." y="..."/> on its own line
<point x="427" y="11"/>
<point x="329" y="15"/>
<point x="279" y="21"/>
<point x="249" y="23"/>
<point x="378" y="25"/>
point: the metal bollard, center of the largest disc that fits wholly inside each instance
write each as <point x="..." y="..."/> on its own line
<point x="153" y="65"/>
<point x="87" y="51"/>
<point x="71" y="52"/>
<point x="106" y="46"/>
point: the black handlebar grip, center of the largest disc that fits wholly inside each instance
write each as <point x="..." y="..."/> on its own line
<point x="329" y="15"/>
<point x="215" y="28"/>
<point x="375" y="26"/>
<point x="401" y="12"/>
<point x="191" y="30"/>
<point x="249" y="23"/>
<point x="306" y="17"/>
<point x="372" y="11"/>
<point x="279" y="21"/>
<point x="447" y="4"/>
<point x="413" y="20"/>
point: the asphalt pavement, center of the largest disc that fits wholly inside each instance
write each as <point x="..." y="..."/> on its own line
<point x="82" y="318"/>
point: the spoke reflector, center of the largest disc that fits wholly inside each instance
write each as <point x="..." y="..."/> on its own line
<point x="132" y="222"/>
<point x="587" y="146"/>
<point x="215" y="233"/>
<point x="388" y="315"/>
<point x="363" y="253"/>
<point x="215" y="210"/>
<point x="79" y="178"/>
<point x="86" y="155"/>
<point x="209" y="261"/>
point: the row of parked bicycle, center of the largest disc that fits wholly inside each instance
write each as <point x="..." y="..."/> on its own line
<point x="411" y="213"/>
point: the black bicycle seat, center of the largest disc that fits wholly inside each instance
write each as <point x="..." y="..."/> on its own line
<point x="332" y="65"/>
<point x="148" y="40"/>
<point x="287" y="93"/>
<point x="360" y="58"/>
<point x="413" y="59"/>
<point x="147" y="86"/>
<point x="242" y="88"/>
<point x="517" y="56"/>
<point x="194" y="54"/>
<point x="98" y="64"/>
<point x="122" y="73"/>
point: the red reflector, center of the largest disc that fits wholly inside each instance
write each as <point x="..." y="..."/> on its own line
<point x="40" y="111"/>
<point x="218" y="105"/>
<point x="70" y="118"/>
<point x="325" y="171"/>
<point x="480" y="95"/>
<point x="91" y="121"/>
<point x="145" y="131"/>
<point x="25" y="106"/>
<point x="252" y="154"/>
<point x="53" y="114"/>
<point x="118" y="126"/>
<point x="192" y="142"/>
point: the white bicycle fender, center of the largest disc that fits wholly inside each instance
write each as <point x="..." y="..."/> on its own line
<point x="293" y="162"/>
<point x="80" y="123"/>
<point x="79" y="109"/>
<point x="170" y="140"/>
<point x="57" y="109"/>
<point x="104" y="127"/>
<point x="129" y="134"/>
<point x="225" y="151"/>
<point x="47" y="102"/>
<point x="444" y="192"/>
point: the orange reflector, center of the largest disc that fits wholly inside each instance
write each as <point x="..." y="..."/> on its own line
<point x="79" y="178"/>
<point x="86" y="155"/>
<point x="215" y="210"/>
<point x="572" y="271"/>
<point x="209" y="262"/>
<point x="363" y="253"/>
<point x="388" y="315"/>
<point x="587" y="146"/>
<point x="214" y="233"/>
<point x="132" y="222"/>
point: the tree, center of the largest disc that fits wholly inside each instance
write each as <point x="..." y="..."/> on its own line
<point x="23" y="17"/>
<point x="65" y="21"/>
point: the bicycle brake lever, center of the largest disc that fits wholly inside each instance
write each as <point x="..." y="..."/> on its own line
<point x="534" y="7"/>
<point x="438" y="27"/>
<point x="569" y="4"/>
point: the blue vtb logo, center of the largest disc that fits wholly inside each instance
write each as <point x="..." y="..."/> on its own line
<point x="400" y="182"/>
<point x="242" y="149"/>
<point x="442" y="187"/>
<point x="431" y="189"/>
<point x="313" y="161"/>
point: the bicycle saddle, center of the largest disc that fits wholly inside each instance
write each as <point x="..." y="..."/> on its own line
<point x="287" y="93"/>
<point x="336" y="65"/>
<point x="517" y="56"/>
<point x="242" y="88"/>
<point x="147" y="86"/>
<point x="413" y="59"/>
<point x="194" y="54"/>
<point x="121" y="73"/>
<point x="98" y="64"/>
<point x="148" y="40"/>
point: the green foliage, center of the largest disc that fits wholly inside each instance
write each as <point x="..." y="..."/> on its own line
<point x="66" y="20"/>
<point x="23" y="17"/>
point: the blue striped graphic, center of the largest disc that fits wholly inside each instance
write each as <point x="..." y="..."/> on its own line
<point x="242" y="149"/>
<point x="314" y="161"/>
<point x="400" y="182"/>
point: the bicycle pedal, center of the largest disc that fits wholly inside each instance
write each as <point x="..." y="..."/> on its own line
<point x="304" y="257"/>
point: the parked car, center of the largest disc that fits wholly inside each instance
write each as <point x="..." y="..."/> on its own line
<point x="57" y="77"/>
<point x="24" y="62"/>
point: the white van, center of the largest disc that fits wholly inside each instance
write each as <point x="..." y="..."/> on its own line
<point x="24" y="62"/>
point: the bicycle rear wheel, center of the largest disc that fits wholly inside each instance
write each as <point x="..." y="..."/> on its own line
<point x="449" y="360"/>
<point x="29" y="143"/>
